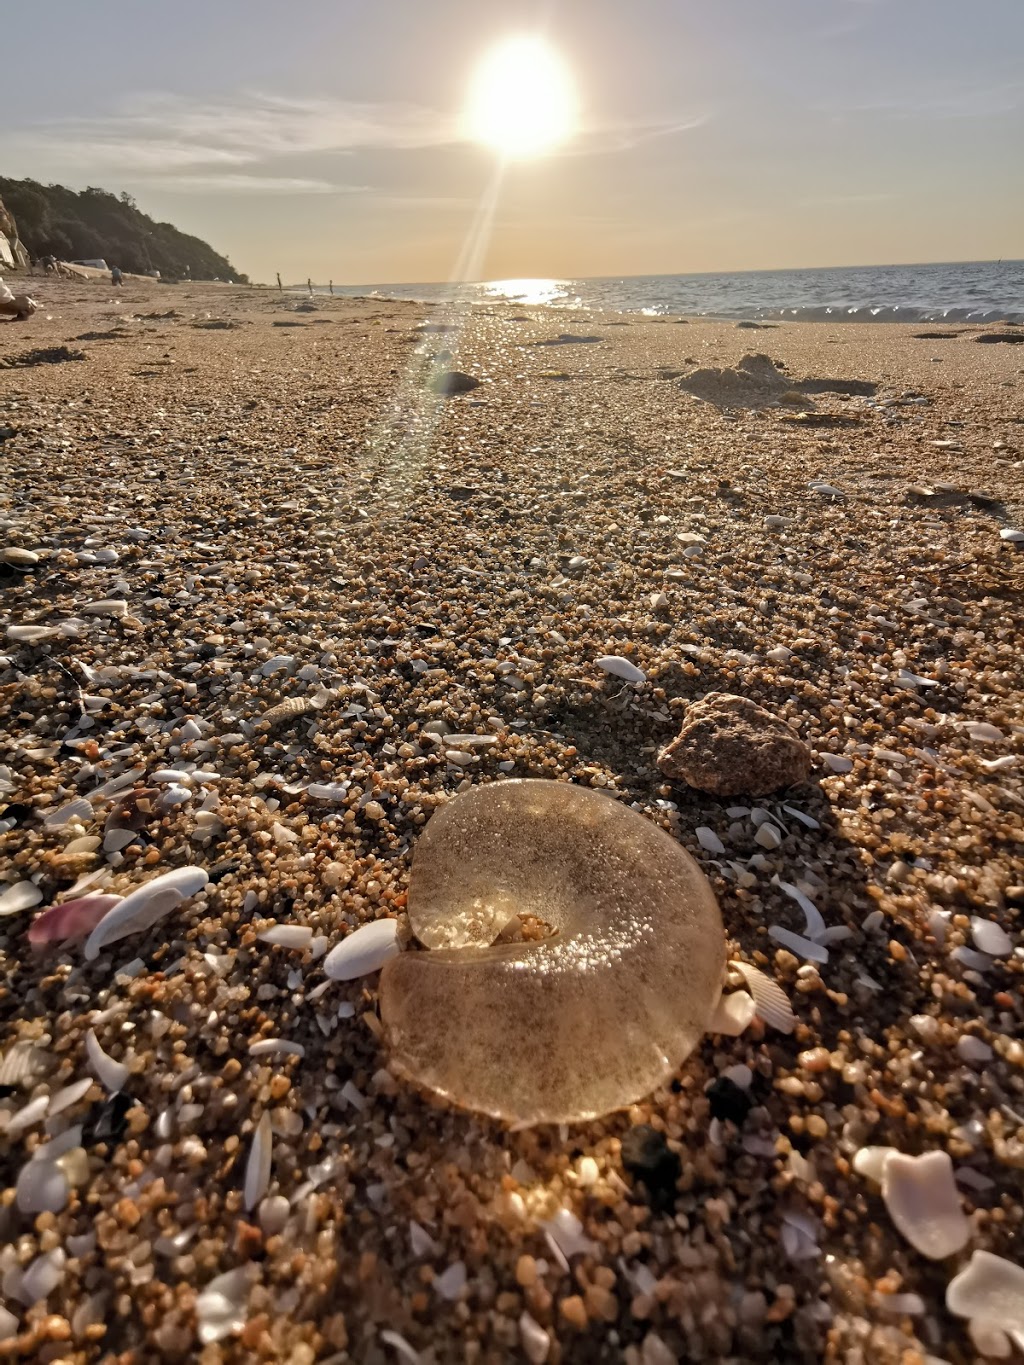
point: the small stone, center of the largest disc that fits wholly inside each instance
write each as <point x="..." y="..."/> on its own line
<point x="451" y="382"/>
<point x="574" y="1312"/>
<point x="729" y="746"/>
<point x="729" y="1101"/>
<point x="647" y="1157"/>
<point x="921" y="1196"/>
<point x="18" y="558"/>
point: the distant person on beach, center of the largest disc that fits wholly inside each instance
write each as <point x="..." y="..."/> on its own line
<point x="116" y="277"/>
<point x="279" y="284"/>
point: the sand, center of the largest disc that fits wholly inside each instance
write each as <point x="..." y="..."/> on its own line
<point x="293" y="516"/>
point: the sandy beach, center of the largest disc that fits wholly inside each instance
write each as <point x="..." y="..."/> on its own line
<point x="227" y="499"/>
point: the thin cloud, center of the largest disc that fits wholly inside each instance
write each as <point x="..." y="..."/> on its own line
<point x="245" y="130"/>
<point x="249" y="184"/>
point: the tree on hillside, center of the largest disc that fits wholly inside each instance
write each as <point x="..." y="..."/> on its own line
<point x="55" y="221"/>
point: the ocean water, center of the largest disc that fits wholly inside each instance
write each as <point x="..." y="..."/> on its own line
<point x="970" y="291"/>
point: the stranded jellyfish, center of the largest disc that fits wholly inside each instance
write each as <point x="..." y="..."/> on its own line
<point x="572" y="1025"/>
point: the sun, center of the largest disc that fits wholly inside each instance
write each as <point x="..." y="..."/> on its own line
<point x="521" y="101"/>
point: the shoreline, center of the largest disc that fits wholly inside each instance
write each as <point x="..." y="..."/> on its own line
<point x="292" y="517"/>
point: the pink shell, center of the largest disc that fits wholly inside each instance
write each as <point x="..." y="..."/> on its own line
<point x="71" y="919"/>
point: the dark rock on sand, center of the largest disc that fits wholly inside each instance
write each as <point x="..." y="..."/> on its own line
<point x="647" y="1157"/>
<point x="453" y="382"/>
<point x="730" y="746"/>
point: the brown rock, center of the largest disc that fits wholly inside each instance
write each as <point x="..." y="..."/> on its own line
<point x="730" y="746"/>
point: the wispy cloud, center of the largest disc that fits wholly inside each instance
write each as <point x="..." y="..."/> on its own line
<point x="243" y="130"/>
<point x="241" y="183"/>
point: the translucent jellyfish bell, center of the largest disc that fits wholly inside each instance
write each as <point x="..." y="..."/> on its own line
<point x="570" y="1026"/>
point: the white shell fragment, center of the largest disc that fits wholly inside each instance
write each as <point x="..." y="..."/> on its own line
<point x="108" y="606"/>
<point x="257" y="1169"/>
<point x="990" y="937"/>
<point x="732" y="1014"/>
<point x="276" y="1047"/>
<point x="20" y="896"/>
<point x="619" y="667"/>
<point x="709" y="840"/>
<point x="108" y="1072"/>
<point x="363" y="951"/>
<point x="924" y="1203"/>
<point x="298" y="936"/>
<point x="144" y="906"/>
<point x="221" y="1307"/>
<point x="796" y="943"/>
<point x="982" y="732"/>
<point x="990" y="1288"/>
<point x="870" y="1162"/>
<point x="770" y="1000"/>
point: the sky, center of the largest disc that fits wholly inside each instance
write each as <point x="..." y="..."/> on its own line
<point x="324" y="138"/>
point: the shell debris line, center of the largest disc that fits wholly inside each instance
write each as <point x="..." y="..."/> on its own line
<point x="268" y="637"/>
<point x="576" y="1023"/>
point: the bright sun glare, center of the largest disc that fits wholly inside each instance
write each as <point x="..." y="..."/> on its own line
<point x="521" y="102"/>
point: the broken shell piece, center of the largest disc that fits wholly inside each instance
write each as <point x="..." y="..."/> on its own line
<point x="363" y="951"/>
<point x="991" y="1288"/>
<point x="144" y="906"/>
<point x="921" y="1196"/>
<point x="70" y="919"/>
<point x="573" y="1025"/>
<point x="770" y="1001"/>
<point x="619" y="667"/>
<point x="732" y="1014"/>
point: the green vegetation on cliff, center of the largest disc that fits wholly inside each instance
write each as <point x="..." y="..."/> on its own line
<point x="55" y="221"/>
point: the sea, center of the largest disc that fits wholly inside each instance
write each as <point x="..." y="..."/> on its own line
<point x="965" y="291"/>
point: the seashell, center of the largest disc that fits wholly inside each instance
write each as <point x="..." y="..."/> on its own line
<point x="990" y="937"/>
<point x="289" y="710"/>
<point x="796" y="943"/>
<point x="19" y="896"/>
<point x="30" y="635"/>
<point x="276" y="1047"/>
<point x="837" y="762"/>
<point x="71" y="919"/>
<point x="989" y="1288"/>
<point x="79" y="809"/>
<point x="363" y="951"/>
<point x="1011" y="536"/>
<point x="144" y="906"/>
<point x="71" y="1094"/>
<point x="922" y="1199"/>
<point x="297" y="936"/>
<point x="815" y="925"/>
<point x="619" y="667"/>
<point x="113" y="1075"/>
<point x="328" y="791"/>
<point x="451" y="1282"/>
<point x="981" y="731"/>
<point x="631" y="972"/>
<point x="709" y="840"/>
<point x="870" y="1162"/>
<point x="222" y="1307"/>
<point x="41" y="1187"/>
<point x="107" y="606"/>
<point x="732" y="1014"/>
<point x="771" y="1001"/>
<point x="768" y="836"/>
<point x="257" y="1169"/>
<point x="399" y="1343"/>
<point x="826" y="490"/>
